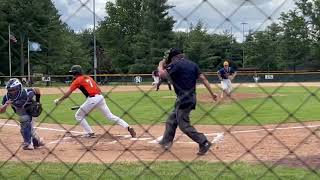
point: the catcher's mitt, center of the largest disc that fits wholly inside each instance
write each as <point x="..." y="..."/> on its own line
<point x="34" y="109"/>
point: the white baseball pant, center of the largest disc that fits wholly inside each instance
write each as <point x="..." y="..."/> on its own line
<point x="98" y="102"/>
<point x="156" y="80"/>
<point x="226" y="85"/>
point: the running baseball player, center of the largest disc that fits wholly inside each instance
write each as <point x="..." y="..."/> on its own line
<point x="22" y="101"/>
<point x="226" y="75"/>
<point x="95" y="100"/>
<point x="157" y="80"/>
<point x="155" y="77"/>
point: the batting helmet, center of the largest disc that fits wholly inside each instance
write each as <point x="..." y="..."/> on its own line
<point x="14" y="88"/>
<point x="75" y="70"/>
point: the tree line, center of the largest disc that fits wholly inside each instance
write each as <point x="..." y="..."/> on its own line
<point x="134" y="35"/>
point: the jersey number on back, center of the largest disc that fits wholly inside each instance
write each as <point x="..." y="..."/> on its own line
<point x="89" y="81"/>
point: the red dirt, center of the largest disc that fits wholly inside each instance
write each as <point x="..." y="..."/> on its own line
<point x="109" y="148"/>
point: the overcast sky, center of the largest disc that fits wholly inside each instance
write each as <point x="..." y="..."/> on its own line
<point x="212" y="13"/>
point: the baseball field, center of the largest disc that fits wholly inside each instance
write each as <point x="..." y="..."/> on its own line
<point x="268" y="131"/>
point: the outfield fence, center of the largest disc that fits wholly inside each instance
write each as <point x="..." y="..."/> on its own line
<point x="147" y="79"/>
<point x="258" y="132"/>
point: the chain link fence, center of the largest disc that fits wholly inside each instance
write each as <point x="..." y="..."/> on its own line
<point x="267" y="128"/>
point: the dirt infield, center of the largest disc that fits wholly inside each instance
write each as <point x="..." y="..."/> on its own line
<point x="241" y="143"/>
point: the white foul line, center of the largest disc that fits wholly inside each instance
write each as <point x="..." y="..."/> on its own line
<point x="219" y="136"/>
<point x="58" y="141"/>
<point x="156" y="140"/>
<point x="44" y="128"/>
<point x="272" y="129"/>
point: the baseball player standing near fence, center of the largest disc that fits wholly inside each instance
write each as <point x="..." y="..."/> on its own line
<point x="226" y="75"/>
<point x="25" y="102"/>
<point x="183" y="74"/>
<point x="94" y="100"/>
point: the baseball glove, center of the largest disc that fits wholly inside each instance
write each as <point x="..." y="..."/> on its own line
<point x="34" y="109"/>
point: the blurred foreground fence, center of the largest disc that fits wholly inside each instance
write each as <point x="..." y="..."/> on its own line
<point x="260" y="132"/>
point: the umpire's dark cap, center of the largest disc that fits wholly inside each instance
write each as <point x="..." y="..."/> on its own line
<point x="173" y="52"/>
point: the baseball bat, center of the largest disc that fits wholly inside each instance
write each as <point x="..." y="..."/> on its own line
<point x="75" y="107"/>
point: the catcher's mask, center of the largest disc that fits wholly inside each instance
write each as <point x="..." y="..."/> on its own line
<point x="14" y="88"/>
<point x="76" y="70"/>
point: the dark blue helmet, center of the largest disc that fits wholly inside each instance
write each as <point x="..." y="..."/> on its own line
<point x="14" y="88"/>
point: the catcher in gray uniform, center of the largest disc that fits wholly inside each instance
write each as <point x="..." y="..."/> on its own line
<point x="25" y="102"/>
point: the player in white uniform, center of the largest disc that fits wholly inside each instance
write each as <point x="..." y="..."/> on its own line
<point x="156" y="78"/>
<point x="226" y="75"/>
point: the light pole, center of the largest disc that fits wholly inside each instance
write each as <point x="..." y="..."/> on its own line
<point x="94" y="42"/>
<point x="9" y="41"/>
<point x="243" y="24"/>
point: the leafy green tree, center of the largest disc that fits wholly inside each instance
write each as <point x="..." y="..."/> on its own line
<point x="116" y="32"/>
<point x="39" y="21"/>
<point x="263" y="48"/>
<point x="208" y="50"/>
<point x="154" y="38"/>
<point x="295" y="41"/>
<point x="310" y="10"/>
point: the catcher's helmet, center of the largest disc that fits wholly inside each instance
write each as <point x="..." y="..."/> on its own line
<point x="75" y="70"/>
<point x="14" y="88"/>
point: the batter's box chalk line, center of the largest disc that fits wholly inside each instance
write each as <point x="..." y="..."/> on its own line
<point x="217" y="138"/>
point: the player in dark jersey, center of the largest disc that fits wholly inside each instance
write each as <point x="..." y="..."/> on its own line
<point x="95" y="100"/>
<point x="19" y="99"/>
<point x="226" y="75"/>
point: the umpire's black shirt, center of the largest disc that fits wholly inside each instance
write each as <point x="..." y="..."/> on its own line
<point x="184" y="74"/>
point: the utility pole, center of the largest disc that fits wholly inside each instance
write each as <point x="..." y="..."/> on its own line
<point x="9" y="41"/>
<point x="243" y="24"/>
<point x="94" y="42"/>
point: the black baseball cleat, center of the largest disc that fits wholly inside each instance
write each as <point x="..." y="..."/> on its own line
<point x="38" y="145"/>
<point x="204" y="148"/>
<point x="165" y="146"/>
<point x="132" y="132"/>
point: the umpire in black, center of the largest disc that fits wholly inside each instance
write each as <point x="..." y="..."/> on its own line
<point x="183" y="74"/>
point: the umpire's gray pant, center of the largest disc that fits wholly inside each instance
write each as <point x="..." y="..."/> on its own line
<point x="180" y="117"/>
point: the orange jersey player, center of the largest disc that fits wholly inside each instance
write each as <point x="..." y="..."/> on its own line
<point x="94" y="101"/>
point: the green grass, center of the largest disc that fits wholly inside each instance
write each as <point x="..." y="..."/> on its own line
<point x="135" y="107"/>
<point x="166" y="170"/>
